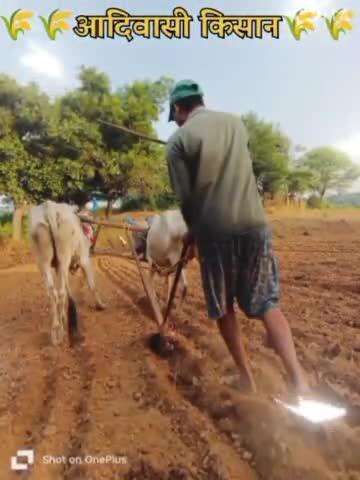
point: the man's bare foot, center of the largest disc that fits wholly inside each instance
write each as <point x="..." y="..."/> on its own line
<point x="303" y="389"/>
<point x="250" y="385"/>
<point x="301" y="384"/>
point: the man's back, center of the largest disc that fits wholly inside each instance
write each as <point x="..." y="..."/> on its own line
<point x="219" y="196"/>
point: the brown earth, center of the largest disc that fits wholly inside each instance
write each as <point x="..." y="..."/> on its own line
<point x="183" y="417"/>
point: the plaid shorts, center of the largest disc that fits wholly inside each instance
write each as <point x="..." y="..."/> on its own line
<point x="243" y="268"/>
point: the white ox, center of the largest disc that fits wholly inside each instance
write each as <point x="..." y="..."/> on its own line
<point x="164" y="245"/>
<point x="59" y="242"/>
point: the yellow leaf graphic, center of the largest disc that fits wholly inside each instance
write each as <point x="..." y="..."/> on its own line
<point x="308" y="24"/>
<point x="345" y="15"/>
<point x="61" y="15"/>
<point x="18" y="22"/>
<point x="340" y="22"/>
<point x="345" y="24"/>
<point x="24" y="24"/>
<point x="63" y="25"/>
<point x="306" y="14"/>
<point x="22" y="15"/>
<point x="302" y="22"/>
<point x="56" y="22"/>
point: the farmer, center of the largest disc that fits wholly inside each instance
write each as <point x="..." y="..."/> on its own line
<point x="211" y="173"/>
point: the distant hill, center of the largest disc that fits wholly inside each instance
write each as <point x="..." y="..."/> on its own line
<point x="345" y="199"/>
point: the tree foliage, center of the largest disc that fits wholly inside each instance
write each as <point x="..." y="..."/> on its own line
<point x="299" y="181"/>
<point x="118" y="163"/>
<point x="60" y="150"/>
<point x="269" y="149"/>
<point x="332" y="169"/>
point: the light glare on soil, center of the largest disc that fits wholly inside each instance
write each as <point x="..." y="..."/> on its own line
<point x="314" y="411"/>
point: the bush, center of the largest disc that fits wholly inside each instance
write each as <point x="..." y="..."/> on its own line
<point x="6" y="225"/>
<point x="162" y="201"/>
<point x="134" y="203"/>
<point x="314" y="202"/>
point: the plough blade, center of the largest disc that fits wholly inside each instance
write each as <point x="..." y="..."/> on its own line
<point x="147" y="284"/>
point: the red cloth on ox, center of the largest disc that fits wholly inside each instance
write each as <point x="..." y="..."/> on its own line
<point x="88" y="232"/>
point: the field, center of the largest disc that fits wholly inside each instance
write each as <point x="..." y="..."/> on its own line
<point x="184" y="417"/>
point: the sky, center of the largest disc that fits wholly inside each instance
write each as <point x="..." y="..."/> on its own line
<point x="310" y="88"/>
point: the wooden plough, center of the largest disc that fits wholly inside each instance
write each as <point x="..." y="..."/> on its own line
<point x="144" y="276"/>
<point x="158" y="339"/>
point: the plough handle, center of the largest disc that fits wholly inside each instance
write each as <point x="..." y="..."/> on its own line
<point x="122" y="226"/>
<point x="176" y="281"/>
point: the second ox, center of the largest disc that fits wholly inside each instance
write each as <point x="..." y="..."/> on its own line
<point x="161" y="245"/>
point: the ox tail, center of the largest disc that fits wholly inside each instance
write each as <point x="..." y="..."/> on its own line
<point x="50" y="215"/>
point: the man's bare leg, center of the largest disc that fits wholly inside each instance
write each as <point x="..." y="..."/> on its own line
<point x="231" y="333"/>
<point x="282" y="341"/>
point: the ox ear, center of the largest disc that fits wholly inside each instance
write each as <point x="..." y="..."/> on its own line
<point x="75" y="208"/>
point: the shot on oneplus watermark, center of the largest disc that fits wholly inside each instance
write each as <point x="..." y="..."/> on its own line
<point x="85" y="460"/>
<point x="24" y="459"/>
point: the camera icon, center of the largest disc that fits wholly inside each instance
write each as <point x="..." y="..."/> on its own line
<point x="22" y="460"/>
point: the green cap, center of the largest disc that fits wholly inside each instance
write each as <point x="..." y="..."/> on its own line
<point x="183" y="89"/>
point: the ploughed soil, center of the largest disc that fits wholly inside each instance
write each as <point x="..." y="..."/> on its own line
<point x="111" y="399"/>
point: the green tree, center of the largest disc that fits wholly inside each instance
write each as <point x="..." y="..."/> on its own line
<point x="269" y="149"/>
<point x="60" y="150"/>
<point x="94" y="82"/>
<point x="299" y="181"/>
<point x="126" y="164"/>
<point x="25" y="112"/>
<point x="331" y="169"/>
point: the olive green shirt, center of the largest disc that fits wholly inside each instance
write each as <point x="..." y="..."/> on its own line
<point x="212" y="175"/>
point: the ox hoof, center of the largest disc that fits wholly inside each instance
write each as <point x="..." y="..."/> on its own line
<point x="76" y="339"/>
<point x="100" y="306"/>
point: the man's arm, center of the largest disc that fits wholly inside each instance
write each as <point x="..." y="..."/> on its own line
<point x="179" y="175"/>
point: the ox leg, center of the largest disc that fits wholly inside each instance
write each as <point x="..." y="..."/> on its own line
<point x="184" y="285"/>
<point x="89" y="274"/>
<point x="63" y="297"/>
<point x="56" y="328"/>
<point x="65" y="246"/>
<point x="44" y="256"/>
<point x="183" y="281"/>
<point x="169" y="286"/>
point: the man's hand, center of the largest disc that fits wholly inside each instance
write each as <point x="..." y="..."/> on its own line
<point x="192" y="252"/>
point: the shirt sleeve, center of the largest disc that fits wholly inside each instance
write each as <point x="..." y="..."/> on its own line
<point x="179" y="175"/>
